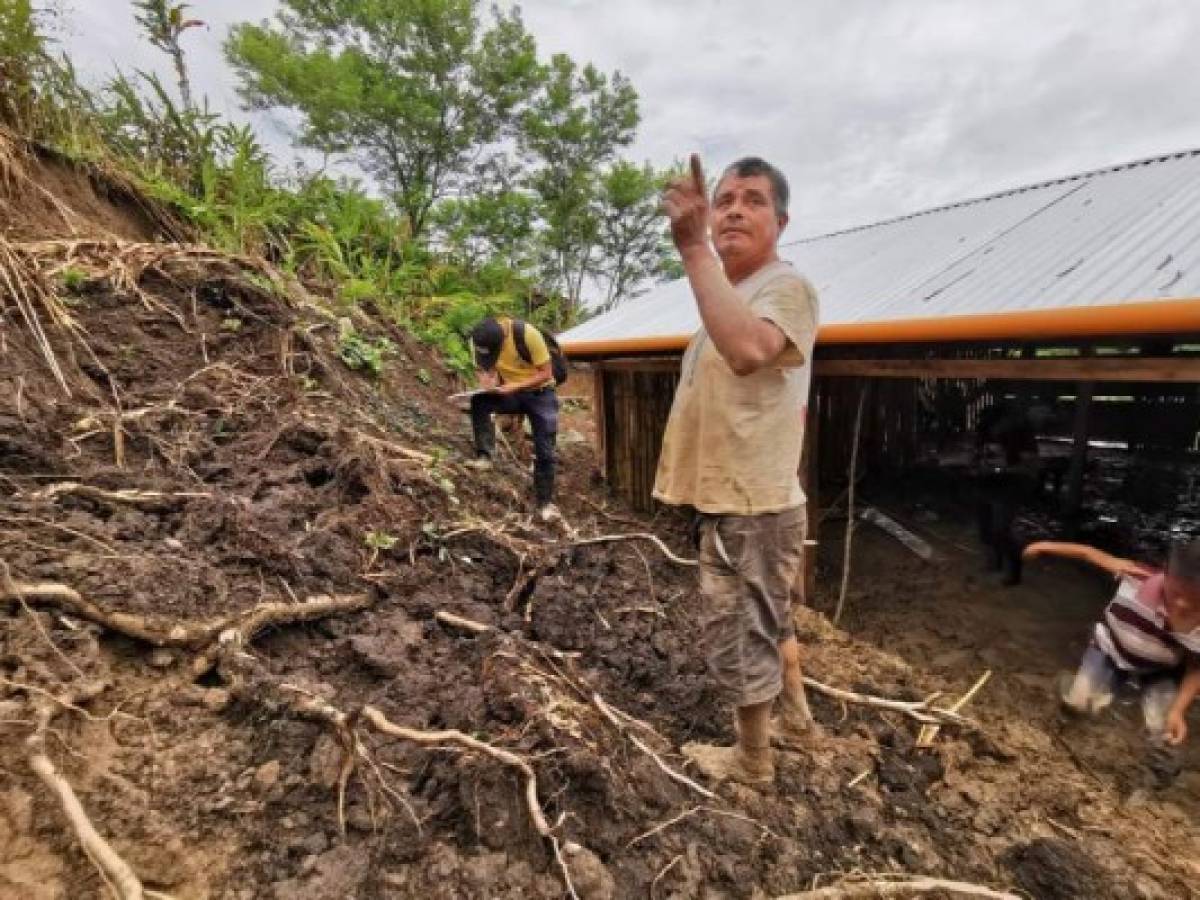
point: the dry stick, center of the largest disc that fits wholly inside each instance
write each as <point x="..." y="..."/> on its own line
<point x="608" y="713"/>
<point x="665" y="869"/>
<point x="921" y="710"/>
<point x="837" y="614"/>
<point x="145" y="499"/>
<point x="638" y="536"/>
<point x="929" y="733"/>
<point x="885" y="887"/>
<point x="454" y="621"/>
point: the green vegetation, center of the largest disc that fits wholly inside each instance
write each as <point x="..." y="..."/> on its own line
<point x="496" y="182"/>
<point x="363" y="353"/>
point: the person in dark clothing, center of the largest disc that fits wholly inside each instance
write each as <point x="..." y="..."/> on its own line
<point x="1008" y="477"/>
<point x="516" y="380"/>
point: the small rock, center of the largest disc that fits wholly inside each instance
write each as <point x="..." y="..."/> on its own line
<point x="173" y="543"/>
<point x="266" y="776"/>
<point x="162" y="658"/>
<point x="215" y="699"/>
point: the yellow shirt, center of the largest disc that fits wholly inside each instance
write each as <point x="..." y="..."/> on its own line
<point x="509" y="364"/>
<point x="732" y="443"/>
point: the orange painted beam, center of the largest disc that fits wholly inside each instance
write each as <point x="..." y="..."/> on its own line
<point x="1144" y="317"/>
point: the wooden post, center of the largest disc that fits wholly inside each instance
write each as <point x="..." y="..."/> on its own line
<point x="1083" y="407"/>
<point x="809" y="480"/>
<point x="598" y="418"/>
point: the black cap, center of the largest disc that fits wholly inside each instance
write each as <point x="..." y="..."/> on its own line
<point x="486" y="340"/>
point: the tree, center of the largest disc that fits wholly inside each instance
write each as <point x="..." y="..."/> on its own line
<point x="632" y="243"/>
<point x="165" y="24"/>
<point x="418" y="90"/>
<point x="575" y="124"/>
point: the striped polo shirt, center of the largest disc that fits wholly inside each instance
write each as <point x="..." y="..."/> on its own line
<point x="1134" y="632"/>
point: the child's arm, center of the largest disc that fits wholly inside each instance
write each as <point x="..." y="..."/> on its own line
<point x="1176" y="731"/>
<point x="1114" y="565"/>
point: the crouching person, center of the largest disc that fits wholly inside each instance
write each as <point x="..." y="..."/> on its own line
<point x="732" y="451"/>
<point x="514" y="368"/>
<point x="1149" y="639"/>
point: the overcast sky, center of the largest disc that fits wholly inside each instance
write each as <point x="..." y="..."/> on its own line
<point x="873" y="108"/>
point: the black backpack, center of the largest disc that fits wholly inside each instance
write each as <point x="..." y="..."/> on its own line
<point x="558" y="361"/>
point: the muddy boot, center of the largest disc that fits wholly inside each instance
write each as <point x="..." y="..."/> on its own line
<point x="722" y="763"/>
<point x="793" y="725"/>
<point x="751" y="761"/>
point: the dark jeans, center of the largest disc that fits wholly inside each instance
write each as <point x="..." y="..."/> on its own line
<point x="542" y="409"/>
<point x="1001" y="495"/>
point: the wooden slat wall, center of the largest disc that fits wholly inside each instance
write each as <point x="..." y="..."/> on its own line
<point x="900" y="416"/>
<point x="635" y="407"/>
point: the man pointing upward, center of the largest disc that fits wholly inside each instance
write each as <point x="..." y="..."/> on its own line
<point x="732" y="449"/>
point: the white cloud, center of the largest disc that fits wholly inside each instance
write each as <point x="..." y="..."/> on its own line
<point x="872" y="108"/>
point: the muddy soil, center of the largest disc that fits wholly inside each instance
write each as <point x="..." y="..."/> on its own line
<point x="279" y="475"/>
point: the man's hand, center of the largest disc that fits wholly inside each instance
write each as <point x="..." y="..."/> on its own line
<point x="1176" y="730"/>
<point x="488" y="380"/>
<point x="685" y="201"/>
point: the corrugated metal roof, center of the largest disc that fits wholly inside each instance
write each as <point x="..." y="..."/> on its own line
<point x="1124" y="234"/>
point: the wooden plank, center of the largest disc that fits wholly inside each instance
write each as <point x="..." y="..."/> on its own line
<point x="1110" y="369"/>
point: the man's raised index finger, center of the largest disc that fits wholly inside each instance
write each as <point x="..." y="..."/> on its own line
<point x="698" y="174"/>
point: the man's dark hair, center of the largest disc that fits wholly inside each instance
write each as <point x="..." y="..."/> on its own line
<point x="749" y="166"/>
<point x="1184" y="560"/>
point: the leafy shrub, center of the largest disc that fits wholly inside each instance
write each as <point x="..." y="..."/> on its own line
<point x="360" y="352"/>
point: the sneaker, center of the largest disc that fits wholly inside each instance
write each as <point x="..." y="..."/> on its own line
<point x="549" y="513"/>
<point x="480" y="464"/>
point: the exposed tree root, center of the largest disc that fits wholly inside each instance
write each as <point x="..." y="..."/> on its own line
<point x="891" y="886"/>
<point x="344" y="724"/>
<point x="609" y="714"/>
<point x="195" y="635"/>
<point x="116" y="873"/>
<point x="922" y="710"/>
<point x="242" y="629"/>
<point x="638" y="536"/>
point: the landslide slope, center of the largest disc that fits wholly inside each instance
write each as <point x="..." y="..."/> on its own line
<point x="231" y="568"/>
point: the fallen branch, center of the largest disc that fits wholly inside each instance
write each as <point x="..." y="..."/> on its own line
<point x="929" y="733"/>
<point x="608" y="713"/>
<point x="886" y="886"/>
<point x="922" y="710"/>
<point x="637" y="536"/>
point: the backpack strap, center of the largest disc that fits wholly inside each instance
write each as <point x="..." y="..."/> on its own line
<point x="518" y="333"/>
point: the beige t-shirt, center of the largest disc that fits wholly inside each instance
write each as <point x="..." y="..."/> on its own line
<point x="732" y="444"/>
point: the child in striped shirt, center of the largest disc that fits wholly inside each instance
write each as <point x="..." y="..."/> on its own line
<point x="1149" y="635"/>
